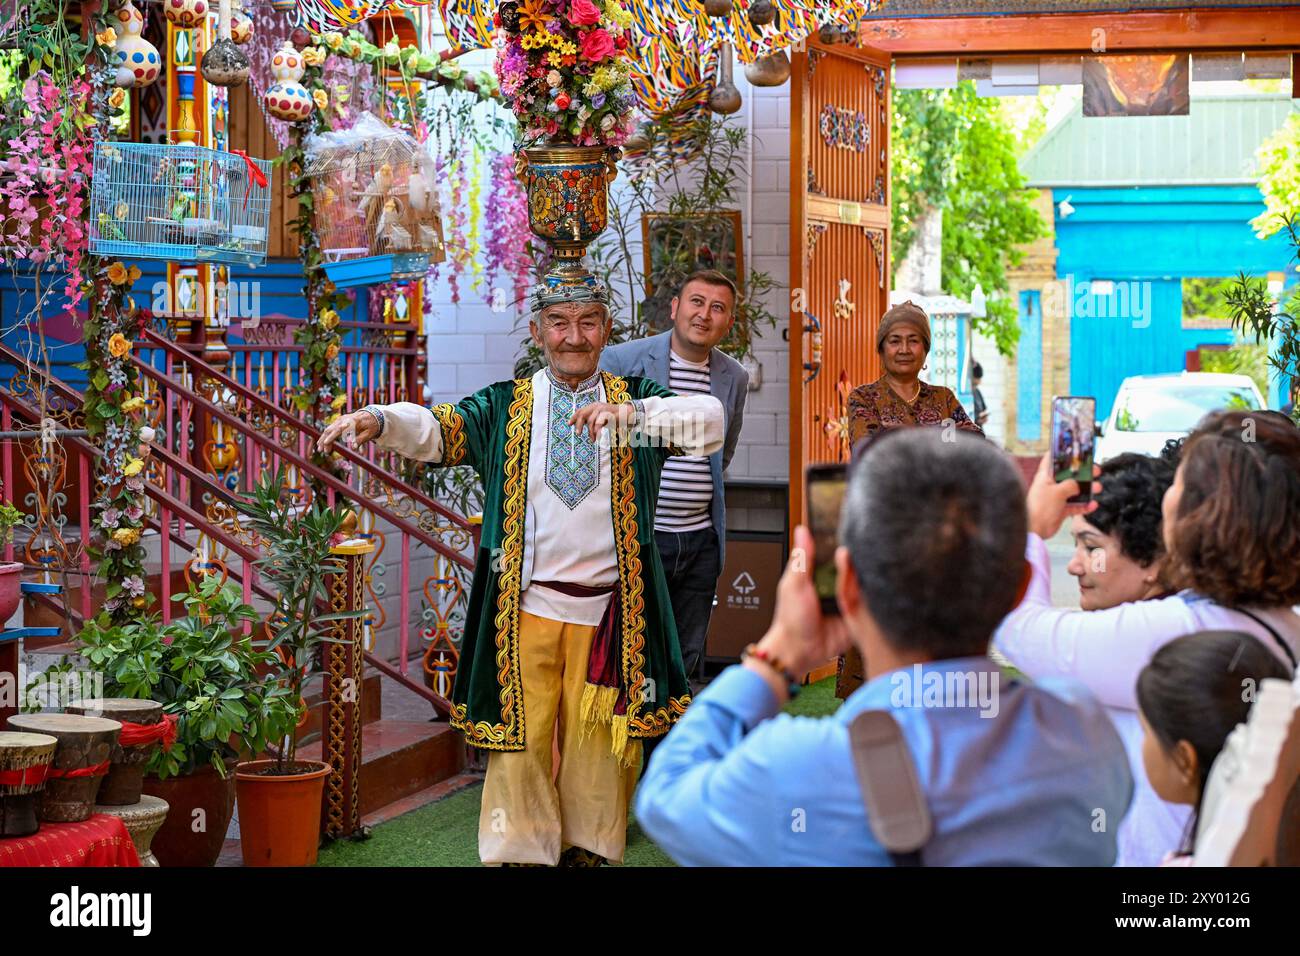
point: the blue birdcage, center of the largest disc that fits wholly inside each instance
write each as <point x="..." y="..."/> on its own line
<point x="180" y="202"/>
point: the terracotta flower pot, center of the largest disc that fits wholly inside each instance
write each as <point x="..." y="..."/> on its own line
<point x="10" y="593"/>
<point x="279" y="816"/>
<point x="187" y="838"/>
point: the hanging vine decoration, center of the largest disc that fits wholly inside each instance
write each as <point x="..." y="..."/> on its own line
<point x="322" y="397"/>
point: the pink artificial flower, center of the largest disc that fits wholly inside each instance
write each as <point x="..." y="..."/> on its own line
<point x="583" y="13"/>
<point x="597" y="45"/>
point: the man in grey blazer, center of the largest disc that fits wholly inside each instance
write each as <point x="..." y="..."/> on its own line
<point x="691" y="522"/>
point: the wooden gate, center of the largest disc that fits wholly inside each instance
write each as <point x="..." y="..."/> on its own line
<point x="839" y="244"/>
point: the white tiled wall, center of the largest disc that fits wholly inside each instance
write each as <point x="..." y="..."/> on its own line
<point x="470" y="346"/>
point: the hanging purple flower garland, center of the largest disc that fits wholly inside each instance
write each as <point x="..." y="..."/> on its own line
<point x="507" y="246"/>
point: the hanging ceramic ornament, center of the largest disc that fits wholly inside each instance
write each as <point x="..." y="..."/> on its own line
<point x="241" y="24"/>
<point x="138" y="62"/>
<point x="725" y="98"/>
<point x="287" y="98"/>
<point x="224" y="64"/>
<point x="718" y="8"/>
<point x="284" y="6"/>
<point x="770" y="70"/>
<point x="762" y="12"/>
<point x="187" y="13"/>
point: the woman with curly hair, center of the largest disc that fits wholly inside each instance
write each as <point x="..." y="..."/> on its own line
<point x="1232" y="555"/>
<point x="1118" y="550"/>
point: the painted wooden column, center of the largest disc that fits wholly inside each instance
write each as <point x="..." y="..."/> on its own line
<point x="344" y="661"/>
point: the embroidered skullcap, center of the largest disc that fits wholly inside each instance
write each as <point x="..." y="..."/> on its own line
<point x="558" y="288"/>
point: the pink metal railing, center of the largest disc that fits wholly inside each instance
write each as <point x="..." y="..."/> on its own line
<point x="251" y="431"/>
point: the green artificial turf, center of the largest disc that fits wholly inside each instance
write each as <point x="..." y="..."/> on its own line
<point x="446" y="833"/>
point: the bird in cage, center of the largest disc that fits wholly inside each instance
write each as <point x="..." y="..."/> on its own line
<point x="389" y="233"/>
<point x="373" y="198"/>
<point x="420" y="188"/>
<point x="109" y="230"/>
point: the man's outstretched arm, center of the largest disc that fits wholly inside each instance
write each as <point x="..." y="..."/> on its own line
<point x="411" y="430"/>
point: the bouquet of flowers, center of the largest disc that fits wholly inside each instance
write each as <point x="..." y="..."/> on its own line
<point x="563" y="68"/>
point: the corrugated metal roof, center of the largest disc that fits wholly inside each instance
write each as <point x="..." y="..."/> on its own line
<point x="1214" y="144"/>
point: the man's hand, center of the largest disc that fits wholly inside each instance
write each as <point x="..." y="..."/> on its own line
<point x="1047" y="500"/>
<point x="799" y="637"/>
<point x="598" y="415"/>
<point x="355" y="429"/>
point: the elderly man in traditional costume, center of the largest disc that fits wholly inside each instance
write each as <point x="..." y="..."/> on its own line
<point x="569" y="638"/>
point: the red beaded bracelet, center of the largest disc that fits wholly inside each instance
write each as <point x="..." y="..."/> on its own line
<point x="770" y="659"/>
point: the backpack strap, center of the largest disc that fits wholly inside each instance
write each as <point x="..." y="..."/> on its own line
<point x="896" y="809"/>
<point x="1286" y="648"/>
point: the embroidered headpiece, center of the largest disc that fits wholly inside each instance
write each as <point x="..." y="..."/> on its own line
<point x="558" y="288"/>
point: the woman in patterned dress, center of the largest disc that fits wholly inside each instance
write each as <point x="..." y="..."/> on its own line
<point x="899" y="397"/>
<point x="896" y="400"/>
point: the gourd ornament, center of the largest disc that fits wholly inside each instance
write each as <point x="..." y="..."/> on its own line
<point x="138" y="62"/>
<point x="288" y="99"/>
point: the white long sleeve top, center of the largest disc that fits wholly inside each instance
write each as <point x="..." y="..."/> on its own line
<point x="562" y="543"/>
<point x="1105" y="650"/>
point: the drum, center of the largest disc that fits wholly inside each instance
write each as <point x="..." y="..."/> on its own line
<point x="121" y="787"/>
<point x="24" y="763"/>
<point x="80" y="763"/>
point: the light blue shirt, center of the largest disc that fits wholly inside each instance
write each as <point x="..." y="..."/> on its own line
<point x="1042" y="780"/>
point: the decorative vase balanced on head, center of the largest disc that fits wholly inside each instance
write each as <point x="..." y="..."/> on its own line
<point x="138" y="63"/>
<point x="287" y="98"/>
<point x="568" y="200"/>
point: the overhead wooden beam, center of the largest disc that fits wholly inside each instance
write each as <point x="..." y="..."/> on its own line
<point x="1248" y="28"/>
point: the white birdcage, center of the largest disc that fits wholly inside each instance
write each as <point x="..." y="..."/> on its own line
<point x="376" y="201"/>
<point x="180" y="202"/>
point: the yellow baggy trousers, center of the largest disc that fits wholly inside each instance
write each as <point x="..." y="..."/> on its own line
<point x="530" y="813"/>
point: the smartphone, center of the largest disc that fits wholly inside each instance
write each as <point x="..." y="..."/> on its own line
<point x="1074" y="429"/>
<point x="825" y="486"/>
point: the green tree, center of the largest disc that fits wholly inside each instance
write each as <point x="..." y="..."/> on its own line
<point x="1279" y="177"/>
<point x="957" y="151"/>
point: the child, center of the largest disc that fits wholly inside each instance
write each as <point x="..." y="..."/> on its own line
<point x="1191" y="695"/>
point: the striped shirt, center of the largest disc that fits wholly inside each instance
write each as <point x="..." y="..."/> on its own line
<point x="686" y="488"/>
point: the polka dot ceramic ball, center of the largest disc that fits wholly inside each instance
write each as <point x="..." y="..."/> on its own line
<point x="187" y="13"/>
<point x="136" y="59"/>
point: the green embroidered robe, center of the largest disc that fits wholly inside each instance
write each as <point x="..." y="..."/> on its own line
<point x="491" y="432"/>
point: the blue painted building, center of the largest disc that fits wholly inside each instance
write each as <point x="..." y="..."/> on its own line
<point x="1137" y="204"/>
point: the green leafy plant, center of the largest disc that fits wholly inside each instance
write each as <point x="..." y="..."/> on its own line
<point x="10" y="518"/>
<point x="297" y="563"/>
<point x="956" y="151"/>
<point x="203" y="669"/>
<point x="1258" y="314"/>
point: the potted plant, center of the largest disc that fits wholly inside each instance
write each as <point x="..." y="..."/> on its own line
<point x="280" y="799"/>
<point x="10" y="591"/>
<point x="203" y="669"/>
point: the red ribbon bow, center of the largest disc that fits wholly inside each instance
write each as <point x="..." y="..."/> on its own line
<point x="255" y="175"/>
<point x="29" y="776"/>
<point x="137" y="735"/>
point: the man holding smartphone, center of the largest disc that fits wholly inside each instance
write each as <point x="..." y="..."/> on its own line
<point x="691" y="520"/>
<point x="1019" y="778"/>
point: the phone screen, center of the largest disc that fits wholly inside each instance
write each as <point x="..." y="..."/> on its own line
<point x="1073" y="438"/>
<point x="826" y="486"/>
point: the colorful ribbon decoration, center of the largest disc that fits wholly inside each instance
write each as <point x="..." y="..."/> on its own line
<point x="94" y="770"/>
<point x="139" y="735"/>
<point x="27" y="777"/>
<point x="255" y="175"/>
